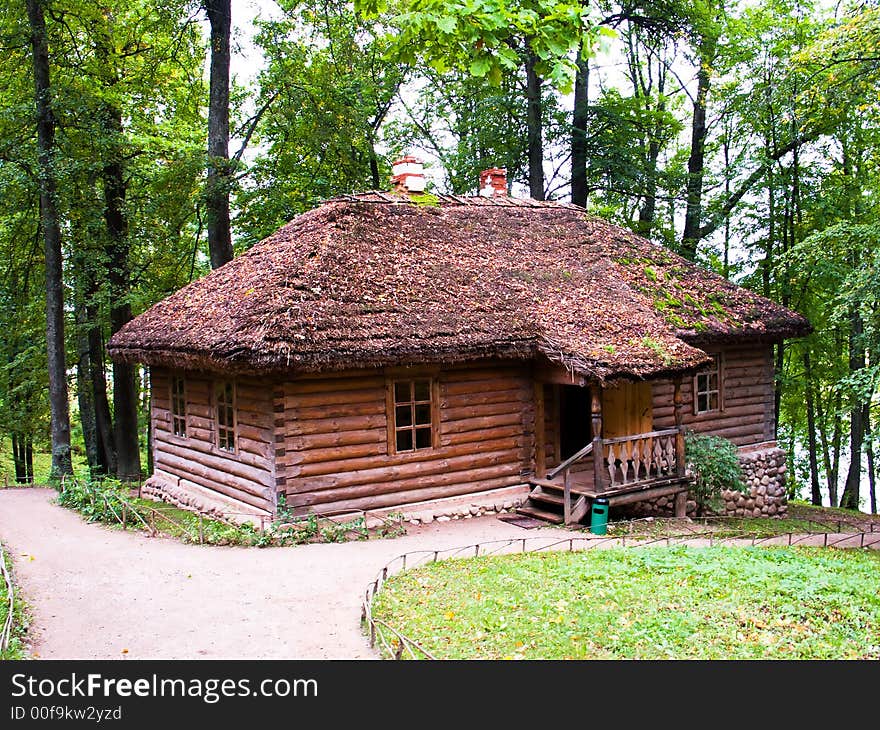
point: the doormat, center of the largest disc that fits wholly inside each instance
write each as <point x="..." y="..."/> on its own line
<point x="524" y="521"/>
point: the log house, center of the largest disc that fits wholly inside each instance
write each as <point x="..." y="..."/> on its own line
<point x="385" y="350"/>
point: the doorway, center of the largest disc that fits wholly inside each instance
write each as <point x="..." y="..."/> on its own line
<point x="575" y="428"/>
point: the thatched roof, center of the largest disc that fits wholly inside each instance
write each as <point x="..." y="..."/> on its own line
<point x="376" y="279"/>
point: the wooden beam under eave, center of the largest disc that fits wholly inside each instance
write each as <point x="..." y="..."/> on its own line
<point x="540" y="432"/>
<point x="598" y="449"/>
<point x="677" y="408"/>
<point x="558" y="375"/>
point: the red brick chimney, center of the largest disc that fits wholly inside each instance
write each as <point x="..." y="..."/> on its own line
<point x="408" y="175"/>
<point x="493" y="182"/>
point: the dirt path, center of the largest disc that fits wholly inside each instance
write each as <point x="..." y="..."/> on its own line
<point x="101" y="593"/>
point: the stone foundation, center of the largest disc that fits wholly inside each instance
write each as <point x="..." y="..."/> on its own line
<point x="491" y="502"/>
<point x="764" y="467"/>
<point x="196" y="498"/>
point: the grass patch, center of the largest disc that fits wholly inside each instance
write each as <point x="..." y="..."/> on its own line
<point x="20" y="619"/>
<point x="115" y="505"/>
<point x="643" y="603"/>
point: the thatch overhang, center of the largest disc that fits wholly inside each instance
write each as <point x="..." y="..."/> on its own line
<point x="378" y="280"/>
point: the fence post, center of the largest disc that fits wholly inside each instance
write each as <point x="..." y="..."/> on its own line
<point x="123" y="516"/>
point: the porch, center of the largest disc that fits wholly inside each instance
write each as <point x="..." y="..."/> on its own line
<point x="623" y="469"/>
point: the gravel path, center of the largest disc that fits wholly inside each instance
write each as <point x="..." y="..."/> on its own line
<point x="101" y="593"/>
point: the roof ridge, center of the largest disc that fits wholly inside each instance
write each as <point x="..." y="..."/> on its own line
<point x="384" y="197"/>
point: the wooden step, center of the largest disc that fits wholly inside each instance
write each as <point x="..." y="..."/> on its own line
<point x="539" y="494"/>
<point x="558" y="487"/>
<point x="540" y="514"/>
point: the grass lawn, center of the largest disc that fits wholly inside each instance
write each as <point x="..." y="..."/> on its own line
<point x="15" y="650"/>
<point x="643" y="603"/>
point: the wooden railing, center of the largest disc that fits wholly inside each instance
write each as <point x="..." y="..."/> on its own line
<point x="582" y="454"/>
<point x="643" y="457"/>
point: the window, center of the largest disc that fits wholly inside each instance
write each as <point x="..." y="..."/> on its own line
<point x="707" y="388"/>
<point x="413" y="416"/>
<point x="224" y="399"/>
<point x="178" y="407"/>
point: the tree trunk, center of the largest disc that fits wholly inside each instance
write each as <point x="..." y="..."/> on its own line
<point x="219" y="171"/>
<point x="18" y="459"/>
<point x="580" y="118"/>
<point x="57" y="367"/>
<point x="777" y="386"/>
<point x="535" y="128"/>
<point x="125" y="415"/>
<point x="29" y="460"/>
<point x="98" y="379"/>
<point x="696" y="161"/>
<point x="850" y="497"/>
<point x="84" y="395"/>
<point x="869" y="450"/>
<point x="815" y="490"/>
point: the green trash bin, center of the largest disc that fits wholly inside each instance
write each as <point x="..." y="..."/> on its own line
<point x="599" y="516"/>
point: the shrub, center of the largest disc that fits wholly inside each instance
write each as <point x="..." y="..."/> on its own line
<point x="714" y="463"/>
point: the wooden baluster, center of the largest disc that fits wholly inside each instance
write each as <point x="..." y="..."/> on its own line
<point x="612" y="467"/>
<point x="658" y="456"/>
<point x="624" y="461"/>
<point x="677" y="403"/>
<point x="566" y="497"/>
<point x="540" y="433"/>
<point x="598" y="451"/>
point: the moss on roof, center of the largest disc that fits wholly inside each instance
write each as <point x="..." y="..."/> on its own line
<point x="375" y="279"/>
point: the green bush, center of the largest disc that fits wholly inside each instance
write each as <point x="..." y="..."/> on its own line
<point x="714" y="462"/>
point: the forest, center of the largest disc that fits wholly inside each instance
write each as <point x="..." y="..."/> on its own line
<point x="135" y="156"/>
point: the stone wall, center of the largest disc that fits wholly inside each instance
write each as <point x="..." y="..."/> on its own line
<point x="764" y="468"/>
<point x="764" y="472"/>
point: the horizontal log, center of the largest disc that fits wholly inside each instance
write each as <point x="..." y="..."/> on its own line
<point x="229" y="490"/>
<point x="334" y="385"/>
<point x="652" y="493"/>
<point x="294" y="412"/>
<point x="369" y="463"/>
<point x="333" y="454"/>
<point x="417" y="495"/>
<point x="200" y="410"/>
<point x="452" y="388"/>
<point x="342" y="438"/>
<point x="450" y="415"/>
<point x="488" y="434"/>
<point x="372" y="469"/>
<point x="335" y="425"/>
<point x="310" y="400"/>
<point x="256" y="433"/>
<point x="243" y="465"/>
<point x="476" y="424"/>
<point x="308" y="498"/>
<point x="464" y="375"/>
<point x="516" y="395"/>
<point x="198" y="471"/>
<point x="736" y="433"/>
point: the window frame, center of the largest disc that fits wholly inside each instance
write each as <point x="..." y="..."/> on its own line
<point x="718" y="369"/>
<point x="233" y="407"/>
<point x="391" y="412"/>
<point x="176" y="418"/>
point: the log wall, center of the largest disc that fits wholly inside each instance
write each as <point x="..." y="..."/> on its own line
<point x="246" y="477"/>
<point x="333" y="451"/>
<point x="747" y="415"/>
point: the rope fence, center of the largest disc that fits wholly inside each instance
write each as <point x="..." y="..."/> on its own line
<point x="6" y="631"/>
<point x="395" y="644"/>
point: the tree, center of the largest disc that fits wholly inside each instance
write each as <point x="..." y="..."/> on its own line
<point x="219" y="171"/>
<point x="51" y="230"/>
<point x="491" y="38"/>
